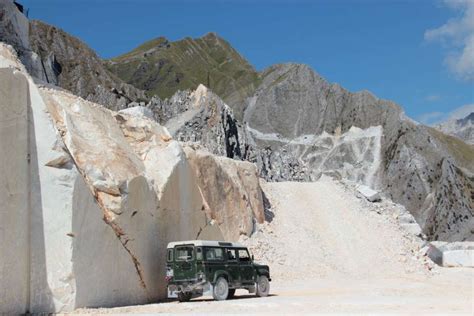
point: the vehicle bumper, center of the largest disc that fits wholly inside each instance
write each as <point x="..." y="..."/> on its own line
<point x="197" y="289"/>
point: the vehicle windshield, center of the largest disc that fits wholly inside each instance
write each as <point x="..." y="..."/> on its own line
<point x="184" y="253"/>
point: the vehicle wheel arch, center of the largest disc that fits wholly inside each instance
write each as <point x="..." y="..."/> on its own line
<point x="221" y="273"/>
<point x="263" y="272"/>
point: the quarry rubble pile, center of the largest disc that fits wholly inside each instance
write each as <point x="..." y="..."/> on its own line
<point x="337" y="233"/>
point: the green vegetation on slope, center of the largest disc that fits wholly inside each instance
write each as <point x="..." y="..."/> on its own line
<point x="140" y="50"/>
<point x="462" y="152"/>
<point x="161" y="67"/>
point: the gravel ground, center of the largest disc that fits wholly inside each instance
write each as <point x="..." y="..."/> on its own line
<point x="330" y="250"/>
<point x="449" y="292"/>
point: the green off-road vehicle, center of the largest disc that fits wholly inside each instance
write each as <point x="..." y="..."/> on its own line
<point x="200" y="267"/>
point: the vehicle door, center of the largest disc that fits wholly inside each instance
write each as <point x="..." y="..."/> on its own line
<point x="185" y="263"/>
<point x="232" y="266"/>
<point x="247" y="270"/>
<point x="214" y="260"/>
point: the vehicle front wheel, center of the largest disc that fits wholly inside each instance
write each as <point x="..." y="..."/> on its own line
<point x="231" y="293"/>
<point x="263" y="286"/>
<point x="221" y="289"/>
<point x="184" y="296"/>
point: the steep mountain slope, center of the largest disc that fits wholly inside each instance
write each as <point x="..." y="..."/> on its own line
<point x="297" y="127"/>
<point x="427" y="171"/>
<point x="316" y="221"/>
<point x="288" y="120"/>
<point x="163" y="67"/>
<point x="72" y="65"/>
<point x="14" y="31"/>
<point x="462" y="128"/>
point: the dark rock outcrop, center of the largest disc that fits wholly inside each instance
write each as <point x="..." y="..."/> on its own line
<point x="56" y="57"/>
<point x="72" y="65"/>
<point x="201" y="116"/>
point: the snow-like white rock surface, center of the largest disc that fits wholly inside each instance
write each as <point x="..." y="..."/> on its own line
<point x="14" y="195"/>
<point x="139" y="111"/>
<point x="89" y="200"/>
<point x="51" y="252"/>
<point x="455" y="254"/>
<point x="322" y="229"/>
<point x="458" y="258"/>
<point x="368" y="193"/>
<point x="460" y="127"/>
<point x="354" y="155"/>
<point x="243" y="202"/>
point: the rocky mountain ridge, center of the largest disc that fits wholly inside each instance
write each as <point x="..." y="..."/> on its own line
<point x="71" y="64"/>
<point x="297" y="127"/>
<point x="462" y="128"/>
<point x="54" y="56"/>
<point x="415" y="164"/>
<point x="162" y="67"/>
<point x="294" y="125"/>
<point x="91" y="196"/>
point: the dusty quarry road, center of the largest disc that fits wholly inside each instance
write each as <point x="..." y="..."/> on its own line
<point x="331" y="251"/>
<point x="449" y="292"/>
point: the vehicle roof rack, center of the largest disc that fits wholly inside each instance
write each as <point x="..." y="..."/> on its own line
<point x="209" y="243"/>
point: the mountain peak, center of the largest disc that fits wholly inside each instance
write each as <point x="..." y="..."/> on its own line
<point x="211" y="35"/>
<point x="142" y="48"/>
<point x="468" y="119"/>
<point x="462" y="128"/>
<point x="162" y="68"/>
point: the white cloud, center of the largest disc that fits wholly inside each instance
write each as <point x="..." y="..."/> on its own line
<point x="433" y="118"/>
<point x="433" y="98"/>
<point x="457" y="34"/>
<point x="462" y="111"/>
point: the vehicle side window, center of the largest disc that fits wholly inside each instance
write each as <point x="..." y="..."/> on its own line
<point x="231" y="254"/>
<point x="244" y="255"/>
<point x="214" y="254"/>
<point x="198" y="253"/>
<point x="184" y="253"/>
<point x="170" y="255"/>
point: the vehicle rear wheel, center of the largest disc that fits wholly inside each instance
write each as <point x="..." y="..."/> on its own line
<point x="184" y="296"/>
<point x="231" y="293"/>
<point x="263" y="286"/>
<point x="221" y="289"/>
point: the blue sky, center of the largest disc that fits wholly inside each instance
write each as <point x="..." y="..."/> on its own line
<point x="411" y="52"/>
